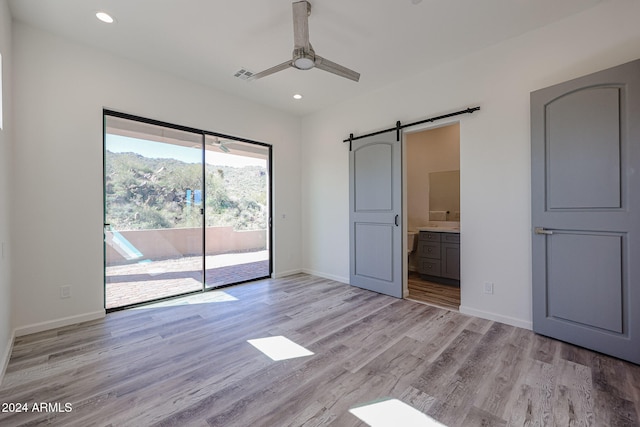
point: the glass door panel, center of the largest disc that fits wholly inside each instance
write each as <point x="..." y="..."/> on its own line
<point x="153" y="212"/>
<point x="237" y="211"/>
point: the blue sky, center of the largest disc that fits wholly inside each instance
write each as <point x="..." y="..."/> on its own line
<point x="160" y="150"/>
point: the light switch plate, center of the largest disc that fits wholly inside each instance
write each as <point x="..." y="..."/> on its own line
<point x="488" y="288"/>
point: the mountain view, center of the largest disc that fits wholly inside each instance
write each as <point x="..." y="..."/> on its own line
<point x="147" y="193"/>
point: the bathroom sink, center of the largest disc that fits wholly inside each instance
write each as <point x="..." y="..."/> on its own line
<point x="446" y="227"/>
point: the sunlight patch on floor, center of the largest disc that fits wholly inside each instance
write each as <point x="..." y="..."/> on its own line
<point x="279" y="348"/>
<point x="203" y="298"/>
<point x="393" y="413"/>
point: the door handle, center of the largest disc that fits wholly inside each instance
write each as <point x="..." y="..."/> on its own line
<point x="396" y="220"/>
<point x="542" y="230"/>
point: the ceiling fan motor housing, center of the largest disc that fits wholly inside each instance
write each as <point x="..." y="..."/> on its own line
<point x="303" y="60"/>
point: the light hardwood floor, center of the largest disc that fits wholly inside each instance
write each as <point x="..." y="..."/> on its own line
<point x="445" y="296"/>
<point x="191" y="364"/>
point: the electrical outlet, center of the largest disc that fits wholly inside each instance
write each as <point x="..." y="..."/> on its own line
<point x="65" y="291"/>
<point x="488" y="288"/>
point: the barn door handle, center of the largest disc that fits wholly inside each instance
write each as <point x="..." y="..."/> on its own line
<point x="396" y="220"/>
<point x="541" y="230"/>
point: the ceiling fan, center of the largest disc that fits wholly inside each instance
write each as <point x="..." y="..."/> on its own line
<point x="304" y="57"/>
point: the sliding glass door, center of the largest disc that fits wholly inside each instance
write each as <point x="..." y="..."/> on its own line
<point x="185" y="211"/>
<point x="237" y="211"/>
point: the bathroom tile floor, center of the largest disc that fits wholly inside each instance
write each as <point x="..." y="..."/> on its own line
<point x="444" y="296"/>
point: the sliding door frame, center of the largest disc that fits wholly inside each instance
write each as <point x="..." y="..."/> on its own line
<point x="203" y="133"/>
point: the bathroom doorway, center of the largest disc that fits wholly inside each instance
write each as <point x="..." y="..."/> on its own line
<point x="432" y="206"/>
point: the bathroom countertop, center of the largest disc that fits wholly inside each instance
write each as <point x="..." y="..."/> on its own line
<point x="440" y="229"/>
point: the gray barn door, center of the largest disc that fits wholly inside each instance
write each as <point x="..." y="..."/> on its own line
<point x="585" y="142"/>
<point x="375" y="203"/>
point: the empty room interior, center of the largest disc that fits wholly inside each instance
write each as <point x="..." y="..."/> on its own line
<point x="309" y="213"/>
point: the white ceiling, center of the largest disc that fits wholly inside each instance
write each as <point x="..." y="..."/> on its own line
<point x="207" y="41"/>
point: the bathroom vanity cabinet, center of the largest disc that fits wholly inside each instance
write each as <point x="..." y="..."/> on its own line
<point x="439" y="257"/>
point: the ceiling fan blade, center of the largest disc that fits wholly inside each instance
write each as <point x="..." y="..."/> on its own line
<point x="304" y="57"/>
<point x="332" y="67"/>
<point x="301" y="11"/>
<point x="271" y="70"/>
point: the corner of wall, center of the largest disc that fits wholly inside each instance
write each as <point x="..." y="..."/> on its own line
<point x="6" y="311"/>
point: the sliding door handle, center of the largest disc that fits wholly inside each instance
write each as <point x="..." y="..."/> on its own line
<point x="542" y="230"/>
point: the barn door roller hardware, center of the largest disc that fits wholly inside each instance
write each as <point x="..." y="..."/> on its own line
<point x="400" y="126"/>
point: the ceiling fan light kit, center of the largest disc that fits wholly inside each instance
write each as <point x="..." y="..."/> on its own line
<point x="304" y="57"/>
<point x="302" y="61"/>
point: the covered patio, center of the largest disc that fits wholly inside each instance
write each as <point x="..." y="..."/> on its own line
<point x="149" y="280"/>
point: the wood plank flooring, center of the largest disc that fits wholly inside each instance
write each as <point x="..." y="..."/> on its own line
<point x="190" y="365"/>
<point x="444" y="296"/>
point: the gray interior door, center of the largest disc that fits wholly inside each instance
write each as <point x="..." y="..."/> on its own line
<point x="585" y="142"/>
<point x="375" y="202"/>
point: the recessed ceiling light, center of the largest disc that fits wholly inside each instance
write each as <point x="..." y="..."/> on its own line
<point x="297" y="96"/>
<point x="104" y="17"/>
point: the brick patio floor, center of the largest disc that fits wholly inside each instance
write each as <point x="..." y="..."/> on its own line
<point x="146" y="281"/>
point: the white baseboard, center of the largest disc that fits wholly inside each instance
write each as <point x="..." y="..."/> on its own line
<point x="340" y="279"/>
<point x="4" y="362"/>
<point x="313" y="273"/>
<point x="52" y="324"/>
<point x="520" y="323"/>
<point x="285" y="273"/>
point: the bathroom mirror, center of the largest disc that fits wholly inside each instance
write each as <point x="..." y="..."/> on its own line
<point x="444" y="196"/>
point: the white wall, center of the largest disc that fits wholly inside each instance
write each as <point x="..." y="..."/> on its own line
<point x="5" y="188"/>
<point x="435" y="150"/>
<point x="494" y="151"/>
<point x="61" y="90"/>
